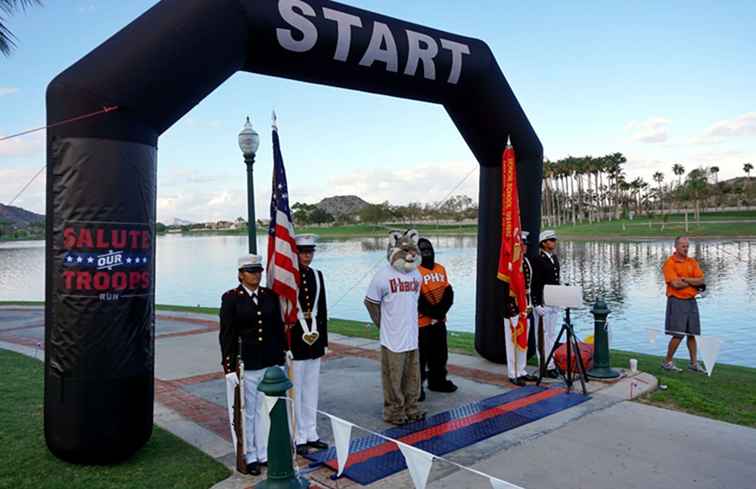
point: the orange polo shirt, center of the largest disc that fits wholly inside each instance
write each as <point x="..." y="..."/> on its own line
<point x="675" y="268"/>
<point x="434" y="283"/>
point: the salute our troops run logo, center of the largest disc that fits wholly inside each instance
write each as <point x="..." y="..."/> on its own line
<point x="107" y="260"/>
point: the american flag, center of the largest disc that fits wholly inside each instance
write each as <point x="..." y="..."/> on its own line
<point x="283" y="262"/>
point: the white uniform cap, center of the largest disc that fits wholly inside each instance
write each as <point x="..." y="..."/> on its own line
<point x="251" y="262"/>
<point x="524" y="235"/>
<point x="306" y="240"/>
<point x="547" y="234"/>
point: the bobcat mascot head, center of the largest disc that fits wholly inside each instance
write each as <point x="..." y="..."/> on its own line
<point x="402" y="250"/>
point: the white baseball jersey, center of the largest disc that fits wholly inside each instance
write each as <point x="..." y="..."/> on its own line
<point x="397" y="293"/>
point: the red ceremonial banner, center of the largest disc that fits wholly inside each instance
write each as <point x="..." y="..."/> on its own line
<point x="510" y="253"/>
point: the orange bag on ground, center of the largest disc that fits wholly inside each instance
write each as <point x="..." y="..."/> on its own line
<point x="586" y="353"/>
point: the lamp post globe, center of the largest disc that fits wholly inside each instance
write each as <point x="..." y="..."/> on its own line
<point x="249" y="141"/>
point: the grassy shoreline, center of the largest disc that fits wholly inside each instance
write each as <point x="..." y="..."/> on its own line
<point x="165" y="461"/>
<point x="729" y="395"/>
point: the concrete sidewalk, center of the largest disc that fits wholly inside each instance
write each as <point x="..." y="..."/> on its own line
<point x="603" y="442"/>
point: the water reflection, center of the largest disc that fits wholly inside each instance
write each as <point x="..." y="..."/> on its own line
<point x="627" y="274"/>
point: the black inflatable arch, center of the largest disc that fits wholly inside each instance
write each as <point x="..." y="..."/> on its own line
<point x="101" y="176"/>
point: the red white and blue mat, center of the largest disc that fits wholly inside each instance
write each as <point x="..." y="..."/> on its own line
<point x="372" y="458"/>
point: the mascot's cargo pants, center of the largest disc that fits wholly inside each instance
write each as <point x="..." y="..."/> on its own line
<point x="434" y="353"/>
<point x="516" y="358"/>
<point x="306" y="381"/>
<point x="550" y="323"/>
<point x="401" y="384"/>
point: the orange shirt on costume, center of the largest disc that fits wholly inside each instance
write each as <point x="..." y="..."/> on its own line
<point x="675" y="268"/>
<point x="434" y="283"/>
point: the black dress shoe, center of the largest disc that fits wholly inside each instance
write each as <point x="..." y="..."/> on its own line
<point x="302" y="450"/>
<point x="253" y="468"/>
<point x="422" y="396"/>
<point x="530" y="378"/>
<point x="446" y="386"/>
<point x="317" y="444"/>
<point x="552" y="373"/>
<point x="517" y="381"/>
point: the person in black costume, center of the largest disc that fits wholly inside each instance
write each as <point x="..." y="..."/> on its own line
<point x="436" y="298"/>
<point x="252" y="313"/>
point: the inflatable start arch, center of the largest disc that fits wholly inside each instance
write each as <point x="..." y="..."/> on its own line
<point x="101" y="176"/>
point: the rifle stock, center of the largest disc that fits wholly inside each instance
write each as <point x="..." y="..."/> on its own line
<point x="241" y="463"/>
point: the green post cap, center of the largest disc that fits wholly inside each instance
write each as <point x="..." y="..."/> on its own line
<point x="274" y="383"/>
<point x="600" y="308"/>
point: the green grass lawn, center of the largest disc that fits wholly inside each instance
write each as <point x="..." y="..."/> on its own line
<point x="164" y="462"/>
<point x="728" y="395"/>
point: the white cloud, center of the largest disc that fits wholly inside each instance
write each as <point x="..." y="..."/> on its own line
<point x="653" y="130"/>
<point x="8" y="91"/>
<point x="744" y="125"/>
<point x="29" y="145"/>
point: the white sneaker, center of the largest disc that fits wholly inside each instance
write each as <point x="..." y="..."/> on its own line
<point x="671" y="367"/>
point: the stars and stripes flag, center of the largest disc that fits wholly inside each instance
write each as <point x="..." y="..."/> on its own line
<point x="283" y="262"/>
<point x="511" y="251"/>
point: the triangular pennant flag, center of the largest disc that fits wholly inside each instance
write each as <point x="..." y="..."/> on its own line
<point x="709" y="347"/>
<point x="231" y="382"/>
<point x="267" y="406"/>
<point x="651" y="335"/>
<point x="500" y="484"/>
<point x="418" y="463"/>
<point x="342" y="433"/>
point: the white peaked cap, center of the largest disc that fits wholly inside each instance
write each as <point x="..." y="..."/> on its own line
<point x="524" y="234"/>
<point x="306" y="240"/>
<point x="250" y="262"/>
<point x="547" y="234"/>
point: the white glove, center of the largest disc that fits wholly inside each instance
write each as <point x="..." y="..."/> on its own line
<point x="289" y="355"/>
<point x="539" y="310"/>
<point x="327" y="351"/>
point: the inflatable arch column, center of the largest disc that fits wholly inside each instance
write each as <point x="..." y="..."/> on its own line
<point x="101" y="176"/>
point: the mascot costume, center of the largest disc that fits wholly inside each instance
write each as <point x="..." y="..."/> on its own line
<point x="392" y="300"/>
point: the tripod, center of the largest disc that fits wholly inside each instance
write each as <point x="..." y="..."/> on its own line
<point x="571" y="340"/>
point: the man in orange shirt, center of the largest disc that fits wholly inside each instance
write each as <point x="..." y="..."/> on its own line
<point x="436" y="297"/>
<point x="684" y="278"/>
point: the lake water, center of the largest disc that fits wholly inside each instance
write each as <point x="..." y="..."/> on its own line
<point x="197" y="270"/>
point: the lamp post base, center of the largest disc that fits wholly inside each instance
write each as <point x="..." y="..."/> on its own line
<point x="290" y="483"/>
<point x="603" y="373"/>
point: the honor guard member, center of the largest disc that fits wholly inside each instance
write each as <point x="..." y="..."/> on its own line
<point x="516" y="357"/>
<point x="309" y="342"/>
<point x="546" y="272"/>
<point x="252" y="313"/>
<point x="436" y="298"/>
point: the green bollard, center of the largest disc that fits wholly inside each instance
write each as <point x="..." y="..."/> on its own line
<point x="601" y="368"/>
<point x="281" y="473"/>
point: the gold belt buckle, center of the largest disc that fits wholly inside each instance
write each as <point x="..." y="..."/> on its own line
<point x="308" y="315"/>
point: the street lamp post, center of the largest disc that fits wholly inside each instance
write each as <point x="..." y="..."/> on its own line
<point x="249" y="141"/>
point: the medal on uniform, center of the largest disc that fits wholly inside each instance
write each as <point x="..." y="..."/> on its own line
<point x="310" y="333"/>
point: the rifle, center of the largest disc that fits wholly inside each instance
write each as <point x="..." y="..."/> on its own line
<point x="239" y="425"/>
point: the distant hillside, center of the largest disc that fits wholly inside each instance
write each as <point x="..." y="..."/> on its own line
<point x="341" y="205"/>
<point x="19" y="217"/>
<point x="181" y="222"/>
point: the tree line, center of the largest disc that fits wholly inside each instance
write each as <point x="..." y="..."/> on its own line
<point x="592" y="189"/>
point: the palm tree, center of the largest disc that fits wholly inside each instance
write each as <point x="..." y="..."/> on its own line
<point x="659" y="178"/>
<point x="714" y="170"/>
<point x="7" y="8"/>
<point x="678" y="170"/>
<point x="747" y="169"/>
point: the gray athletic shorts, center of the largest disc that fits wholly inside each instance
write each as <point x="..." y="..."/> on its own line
<point x="682" y="317"/>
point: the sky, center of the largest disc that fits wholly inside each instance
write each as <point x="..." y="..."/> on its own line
<point x="662" y="82"/>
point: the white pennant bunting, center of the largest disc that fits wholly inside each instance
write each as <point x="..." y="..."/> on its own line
<point x="267" y="406"/>
<point x="500" y="484"/>
<point x="231" y="382"/>
<point x="342" y="434"/>
<point x="651" y="335"/>
<point x="709" y="347"/>
<point x="419" y="464"/>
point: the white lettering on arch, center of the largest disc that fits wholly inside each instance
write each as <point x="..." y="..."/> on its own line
<point x="345" y="23"/>
<point x="297" y="20"/>
<point x="424" y="54"/>
<point x="381" y="35"/>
